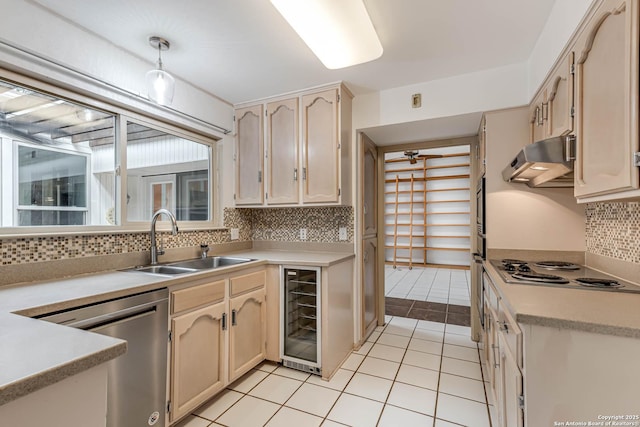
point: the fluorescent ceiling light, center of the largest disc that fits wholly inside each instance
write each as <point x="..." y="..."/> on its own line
<point x="339" y="32"/>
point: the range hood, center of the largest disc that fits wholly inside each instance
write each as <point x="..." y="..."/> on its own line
<point x="546" y="163"/>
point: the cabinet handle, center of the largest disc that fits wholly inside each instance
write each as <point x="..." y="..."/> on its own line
<point x="295" y="174"/>
<point x="304" y="174"/>
<point x="259" y="176"/>
<point x="233" y="317"/>
<point x="545" y="111"/>
<point x="224" y="321"/>
<point x="539" y="120"/>
<point x="495" y="359"/>
<point x="503" y="326"/>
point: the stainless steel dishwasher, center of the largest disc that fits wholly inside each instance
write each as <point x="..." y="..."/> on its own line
<point x="136" y="395"/>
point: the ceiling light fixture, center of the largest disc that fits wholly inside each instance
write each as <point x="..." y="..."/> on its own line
<point x="160" y="84"/>
<point x="339" y="32"/>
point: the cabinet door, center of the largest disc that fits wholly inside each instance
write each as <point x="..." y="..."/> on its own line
<point x="320" y="168"/>
<point x="370" y="190"/>
<point x="511" y="413"/>
<point x="249" y="152"/>
<point x="247" y="333"/>
<point x="282" y="152"/>
<point x="369" y="292"/>
<point x="536" y="119"/>
<point x="197" y="349"/>
<point x="558" y="110"/>
<point x="606" y="55"/>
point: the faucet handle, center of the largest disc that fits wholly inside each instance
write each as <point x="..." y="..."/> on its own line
<point x="204" y="249"/>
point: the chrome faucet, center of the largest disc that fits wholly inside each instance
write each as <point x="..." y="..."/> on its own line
<point x="174" y="230"/>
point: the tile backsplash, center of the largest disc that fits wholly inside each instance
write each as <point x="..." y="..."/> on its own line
<point x="613" y="230"/>
<point x="278" y="224"/>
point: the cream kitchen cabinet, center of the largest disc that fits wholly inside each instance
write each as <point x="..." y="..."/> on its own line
<point x="249" y="188"/>
<point x="552" y="110"/>
<point x="198" y="346"/>
<point x="536" y="120"/>
<point x="218" y="333"/>
<point x="558" y="108"/>
<point x="320" y="148"/>
<point x="503" y="358"/>
<point x="308" y="158"/>
<point x="606" y="65"/>
<point x="247" y="333"/>
<point x="282" y="156"/>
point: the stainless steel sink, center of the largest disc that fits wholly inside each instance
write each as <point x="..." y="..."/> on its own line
<point x="191" y="265"/>
<point x="164" y="270"/>
<point x="212" y="262"/>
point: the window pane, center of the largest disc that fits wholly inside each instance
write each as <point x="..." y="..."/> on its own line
<point x="59" y="158"/>
<point x="166" y="171"/>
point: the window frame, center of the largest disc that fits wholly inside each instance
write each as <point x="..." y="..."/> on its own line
<point x="121" y="116"/>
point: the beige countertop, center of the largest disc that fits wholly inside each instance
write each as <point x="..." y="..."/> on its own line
<point x="600" y="312"/>
<point x="36" y="353"/>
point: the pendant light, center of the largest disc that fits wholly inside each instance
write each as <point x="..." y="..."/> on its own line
<point x="339" y="32"/>
<point x="160" y="84"/>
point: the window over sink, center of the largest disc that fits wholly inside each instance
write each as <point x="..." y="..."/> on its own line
<point x="60" y="166"/>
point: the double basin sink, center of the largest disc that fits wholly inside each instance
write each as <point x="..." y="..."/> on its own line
<point x="191" y="265"/>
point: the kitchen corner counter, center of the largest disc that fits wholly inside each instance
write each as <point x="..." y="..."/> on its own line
<point x="585" y="310"/>
<point x="308" y="258"/>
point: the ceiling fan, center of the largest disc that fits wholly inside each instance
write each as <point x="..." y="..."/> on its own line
<point x="414" y="156"/>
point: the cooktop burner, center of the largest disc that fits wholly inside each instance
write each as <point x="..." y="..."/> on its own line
<point x="539" y="277"/>
<point x="576" y="277"/>
<point x="597" y="282"/>
<point x="513" y="261"/>
<point x="557" y="265"/>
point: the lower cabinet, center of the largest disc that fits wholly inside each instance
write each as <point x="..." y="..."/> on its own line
<point x="218" y="333"/>
<point x="198" y="349"/>
<point x="247" y="333"/>
<point x="503" y="355"/>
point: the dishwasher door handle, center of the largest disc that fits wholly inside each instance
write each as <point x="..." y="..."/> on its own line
<point x="116" y="316"/>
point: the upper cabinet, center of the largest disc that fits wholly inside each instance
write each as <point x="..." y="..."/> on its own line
<point x="248" y="156"/>
<point x="558" y="109"/>
<point x="552" y="110"/>
<point x="308" y="152"/>
<point x="282" y="152"/>
<point x="606" y="56"/>
<point x="320" y="147"/>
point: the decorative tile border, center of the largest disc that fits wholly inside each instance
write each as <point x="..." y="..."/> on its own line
<point x="279" y="224"/>
<point x="613" y="230"/>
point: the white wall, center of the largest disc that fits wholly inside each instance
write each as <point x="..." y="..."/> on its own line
<point x="519" y="217"/>
<point x="35" y="29"/>
<point x="482" y="91"/>
<point x="563" y="20"/>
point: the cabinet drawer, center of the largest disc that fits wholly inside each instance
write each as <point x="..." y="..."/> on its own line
<point x="247" y="282"/>
<point x="196" y="296"/>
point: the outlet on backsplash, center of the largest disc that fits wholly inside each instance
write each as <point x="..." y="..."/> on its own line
<point x="235" y="233"/>
<point x="303" y="234"/>
<point x="342" y="233"/>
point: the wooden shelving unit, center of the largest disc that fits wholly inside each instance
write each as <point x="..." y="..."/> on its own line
<point x="417" y="225"/>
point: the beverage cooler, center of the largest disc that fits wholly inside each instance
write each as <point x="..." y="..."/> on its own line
<point x="300" y="319"/>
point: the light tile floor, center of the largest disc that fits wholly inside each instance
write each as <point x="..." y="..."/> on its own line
<point x="443" y="285"/>
<point x="410" y="373"/>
